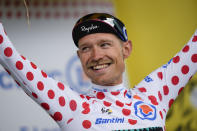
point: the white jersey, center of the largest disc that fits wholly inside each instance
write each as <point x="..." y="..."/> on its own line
<point x="104" y="108"/>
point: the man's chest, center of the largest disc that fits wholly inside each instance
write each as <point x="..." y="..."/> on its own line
<point x="116" y="112"/>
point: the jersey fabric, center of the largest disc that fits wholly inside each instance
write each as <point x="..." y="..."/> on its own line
<point x="104" y="108"/>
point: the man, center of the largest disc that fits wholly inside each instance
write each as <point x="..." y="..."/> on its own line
<point x="103" y="46"/>
<point x="108" y="105"/>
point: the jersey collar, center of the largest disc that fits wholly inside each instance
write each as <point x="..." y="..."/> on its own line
<point x="115" y="88"/>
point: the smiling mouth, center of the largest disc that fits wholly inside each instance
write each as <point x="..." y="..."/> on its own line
<point x="99" y="67"/>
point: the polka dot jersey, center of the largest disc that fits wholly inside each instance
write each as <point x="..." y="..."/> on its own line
<point x="104" y="108"/>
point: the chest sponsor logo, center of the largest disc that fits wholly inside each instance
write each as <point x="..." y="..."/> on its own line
<point x="104" y="110"/>
<point x="145" y="111"/>
<point x="109" y="120"/>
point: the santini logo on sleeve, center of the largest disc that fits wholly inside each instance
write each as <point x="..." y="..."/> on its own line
<point x="111" y="120"/>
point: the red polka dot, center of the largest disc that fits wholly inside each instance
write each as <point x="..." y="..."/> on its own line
<point x="142" y="89"/>
<point x="100" y="95"/>
<point x="1" y="39"/>
<point x="69" y="120"/>
<point x="126" y="112"/>
<point x="60" y="85"/>
<point x="30" y="76"/>
<point x="194" y="39"/>
<point x="132" y="122"/>
<point x="129" y="104"/>
<point x="186" y="49"/>
<point x="185" y="69"/>
<point x="51" y="94"/>
<point x="171" y="102"/>
<point x="62" y="101"/>
<point x="19" y="65"/>
<point x="86" y="110"/>
<point x="176" y="59"/>
<point x="82" y="96"/>
<point x="8" y="51"/>
<point x="161" y="115"/>
<point x="44" y="74"/>
<point x="23" y="57"/>
<point x="57" y="116"/>
<point x="40" y="85"/>
<point x="125" y="92"/>
<point x="107" y="103"/>
<point x="33" y="65"/>
<point x="73" y="105"/>
<point x="88" y="97"/>
<point x="180" y="90"/>
<point x="45" y="106"/>
<point x="85" y="105"/>
<point x="160" y="75"/>
<point x="165" y="90"/>
<point x="194" y="58"/>
<point x="160" y="96"/>
<point x="86" y="124"/>
<point x="118" y="103"/>
<point x="34" y="95"/>
<point x="115" y="93"/>
<point x="153" y="100"/>
<point x="175" y="80"/>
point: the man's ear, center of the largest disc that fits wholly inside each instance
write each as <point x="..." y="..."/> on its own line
<point x="126" y="49"/>
<point x="78" y="54"/>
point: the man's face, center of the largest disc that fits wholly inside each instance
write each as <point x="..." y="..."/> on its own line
<point x="102" y="57"/>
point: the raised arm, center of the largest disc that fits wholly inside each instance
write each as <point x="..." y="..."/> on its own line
<point x="164" y="84"/>
<point x="52" y="95"/>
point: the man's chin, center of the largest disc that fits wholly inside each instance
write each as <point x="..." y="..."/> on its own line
<point x="99" y="80"/>
<point x="104" y="81"/>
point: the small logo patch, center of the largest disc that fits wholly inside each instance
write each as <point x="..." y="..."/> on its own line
<point x="145" y="111"/>
<point x="88" y="29"/>
<point x="109" y="120"/>
<point x="104" y="110"/>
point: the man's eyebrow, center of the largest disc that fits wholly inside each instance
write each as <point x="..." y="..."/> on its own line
<point x="83" y="44"/>
<point x="104" y="40"/>
<point x="99" y="41"/>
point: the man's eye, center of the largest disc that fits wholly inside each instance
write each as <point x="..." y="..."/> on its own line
<point x="105" y="44"/>
<point x="84" y="49"/>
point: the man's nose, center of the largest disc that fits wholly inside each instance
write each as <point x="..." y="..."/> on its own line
<point x="97" y="53"/>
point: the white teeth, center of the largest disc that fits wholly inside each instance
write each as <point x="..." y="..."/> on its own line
<point x="100" y="67"/>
